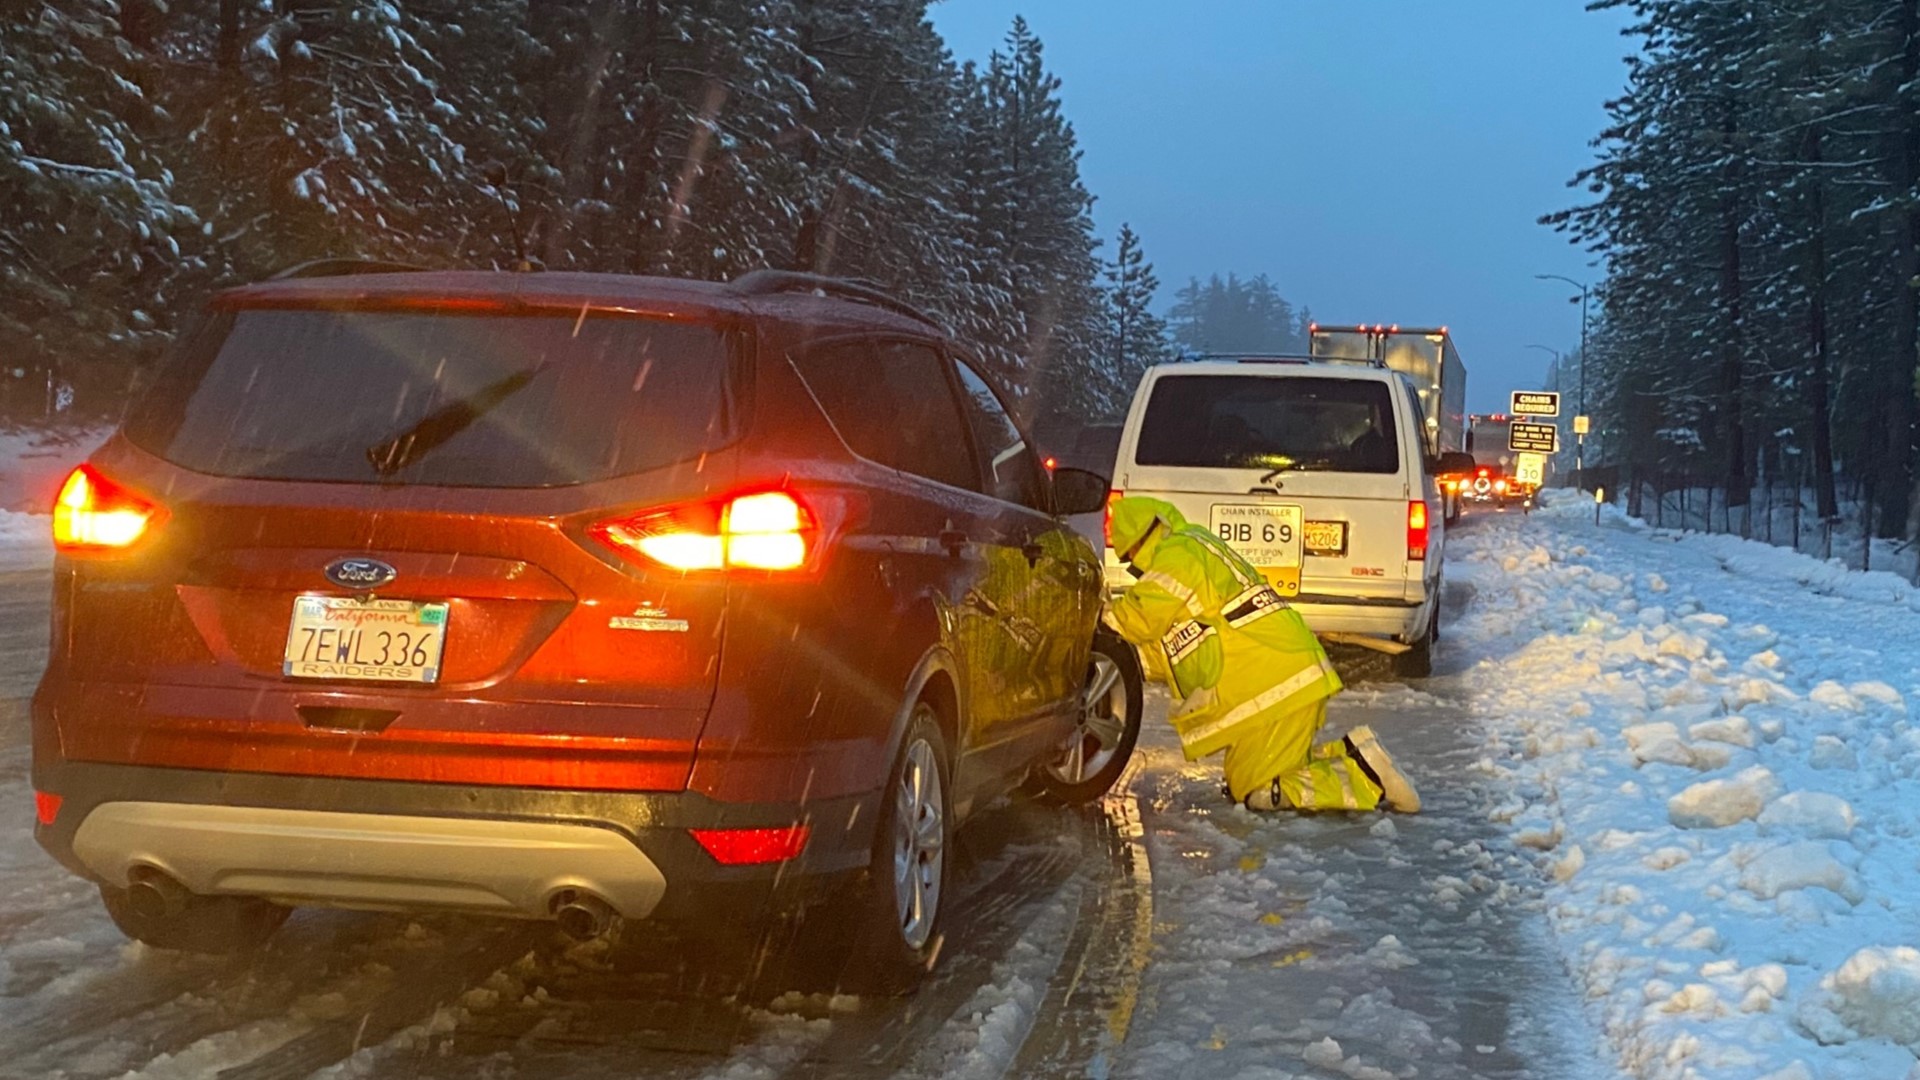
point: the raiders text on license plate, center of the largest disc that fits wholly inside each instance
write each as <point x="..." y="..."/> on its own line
<point x="343" y="637"/>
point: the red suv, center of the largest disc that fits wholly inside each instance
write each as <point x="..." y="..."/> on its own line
<point x="563" y="596"/>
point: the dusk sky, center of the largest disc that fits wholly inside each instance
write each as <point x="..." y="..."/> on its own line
<point x="1380" y="160"/>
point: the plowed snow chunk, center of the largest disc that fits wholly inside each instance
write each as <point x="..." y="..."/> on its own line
<point x="1830" y="752"/>
<point x="1813" y="814"/>
<point x="1666" y="858"/>
<point x="1800" y="865"/>
<point x="1877" y="993"/>
<point x="1657" y="742"/>
<point x="1879" y="693"/>
<point x="1834" y="696"/>
<point x="1735" y="730"/>
<point x="1324" y="1054"/>
<point x="1716" y="804"/>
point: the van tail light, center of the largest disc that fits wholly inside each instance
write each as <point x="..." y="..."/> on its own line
<point x="1112" y="497"/>
<point x="95" y="516"/>
<point x="753" y="847"/>
<point x="1417" y="531"/>
<point x="770" y="531"/>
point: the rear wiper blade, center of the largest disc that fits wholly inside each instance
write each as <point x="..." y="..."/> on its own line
<point x="442" y="424"/>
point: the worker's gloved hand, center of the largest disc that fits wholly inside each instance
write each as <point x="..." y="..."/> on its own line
<point x="1136" y="571"/>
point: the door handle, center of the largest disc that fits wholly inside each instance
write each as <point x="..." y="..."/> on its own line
<point x="953" y="540"/>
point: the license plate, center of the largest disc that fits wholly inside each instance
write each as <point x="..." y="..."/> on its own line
<point x="1326" y="538"/>
<point x="343" y="637"/>
<point x="1268" y="536"/>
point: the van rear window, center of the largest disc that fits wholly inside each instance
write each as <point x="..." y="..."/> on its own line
<point x="1259" y="422"/>
<point x="426" y="397"/>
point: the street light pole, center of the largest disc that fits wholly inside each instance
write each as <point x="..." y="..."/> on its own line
<point x="1580" y="439"/>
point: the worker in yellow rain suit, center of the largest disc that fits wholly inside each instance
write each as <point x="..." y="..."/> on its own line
<point x="1251" y="677"/>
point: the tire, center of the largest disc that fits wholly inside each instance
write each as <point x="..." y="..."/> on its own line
<point x="216" y="925"/>
<point x="901" y="901"/>
<point x="1417" y="662"/>
<point x="1107" y="729"/>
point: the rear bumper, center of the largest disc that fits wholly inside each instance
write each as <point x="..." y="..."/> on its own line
<point x="1402" y="620"/>
<point x="396" y="845"/>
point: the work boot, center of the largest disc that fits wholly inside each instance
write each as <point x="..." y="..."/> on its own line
<point x="1268" y="799"/>
<point x="1396" y="790"/>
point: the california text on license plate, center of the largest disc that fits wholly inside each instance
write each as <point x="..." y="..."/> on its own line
<point x="1266" y="535"/>
<point x="343" y="637"/>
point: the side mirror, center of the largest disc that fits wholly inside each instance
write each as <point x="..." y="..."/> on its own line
<point x="1453" y="463"/>
<point x="1077" y="491"/>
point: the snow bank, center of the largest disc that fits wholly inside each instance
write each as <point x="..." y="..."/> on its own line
<point x="26" y="541"/>
<point x="1709" y="753"/>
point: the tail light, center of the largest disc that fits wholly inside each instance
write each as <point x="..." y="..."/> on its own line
<point x="753" y="847"/>
<point x="1500" y="485"/>
<point x="770" y="530"/>
<point x="1112" y="497"/>
<point x="94" y="516"/>
<point x="1417" y="531"/>
<point x="46" y="807"/>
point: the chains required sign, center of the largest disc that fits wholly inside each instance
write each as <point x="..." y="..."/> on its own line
<point x="1536" y="403"/>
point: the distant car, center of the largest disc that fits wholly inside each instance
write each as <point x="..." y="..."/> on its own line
<point x="564" y="596"/>
<point x="1316" y="472"/>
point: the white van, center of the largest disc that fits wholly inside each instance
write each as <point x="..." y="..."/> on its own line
<point x="1317" y="472"/>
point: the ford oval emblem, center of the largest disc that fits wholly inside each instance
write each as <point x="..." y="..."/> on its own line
<point x="360" y="573"/>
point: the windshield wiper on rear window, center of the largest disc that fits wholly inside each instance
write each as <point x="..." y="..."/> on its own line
<point x="442" y="424"/>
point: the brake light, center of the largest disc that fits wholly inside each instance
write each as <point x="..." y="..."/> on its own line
<point x="1483" y="474"/>
<point x="1417" y="531"/>
<point x="769" y="530"/>
<point x="46" y="807"/>
<point x="94" y="515"/>
<point x="1499" y="485"/>
<point x="753" y="847"/>
<point x="1112" y="497"/>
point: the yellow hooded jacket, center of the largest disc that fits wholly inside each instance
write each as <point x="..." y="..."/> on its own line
<point x="1233" y="652"/>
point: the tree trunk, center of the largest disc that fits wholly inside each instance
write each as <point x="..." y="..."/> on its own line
<point x="226" y="52"/>
<point x="1732" y="300"/>
<point x="1819" y="374"/>
<point x="1903" y="498"/>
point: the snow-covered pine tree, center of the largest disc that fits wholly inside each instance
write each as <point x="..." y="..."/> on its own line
<point x="1133" y="337"/>
<point x="89" y="224"/>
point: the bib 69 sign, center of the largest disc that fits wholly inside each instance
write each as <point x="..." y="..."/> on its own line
<point x="1267" y="535"/>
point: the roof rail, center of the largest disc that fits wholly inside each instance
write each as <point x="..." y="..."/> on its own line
<point x="1276" y="358"/>
<point x="318" y="268"/>
<point x="776" y="282"/>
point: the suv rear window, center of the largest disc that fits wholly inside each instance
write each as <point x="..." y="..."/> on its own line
<point x="1259" y="422"/>
<point x="427" y="397"/>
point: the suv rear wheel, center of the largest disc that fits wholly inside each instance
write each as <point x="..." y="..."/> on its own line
<point x="1096" y="752"/>
<point x="903" y="897"/>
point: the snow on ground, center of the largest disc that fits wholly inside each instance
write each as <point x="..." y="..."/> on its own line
<point x="1708" y="747"/>
<point x="33" y="461"/>
<point x="1365" y="946"/>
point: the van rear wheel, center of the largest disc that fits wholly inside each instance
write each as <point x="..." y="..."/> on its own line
<point x="1417" y="662"/>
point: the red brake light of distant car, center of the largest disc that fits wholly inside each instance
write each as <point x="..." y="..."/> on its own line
<point x="1483" y="472"/>
<point x="753" y="847"/>
<point x="1417" y="531"/>
<point x="1499" y="485"/>
<point x="93" y="515"/>
<point x="769" y="530"/>
<point x="46" y="807"/>
<point x="1052" y="464"/>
